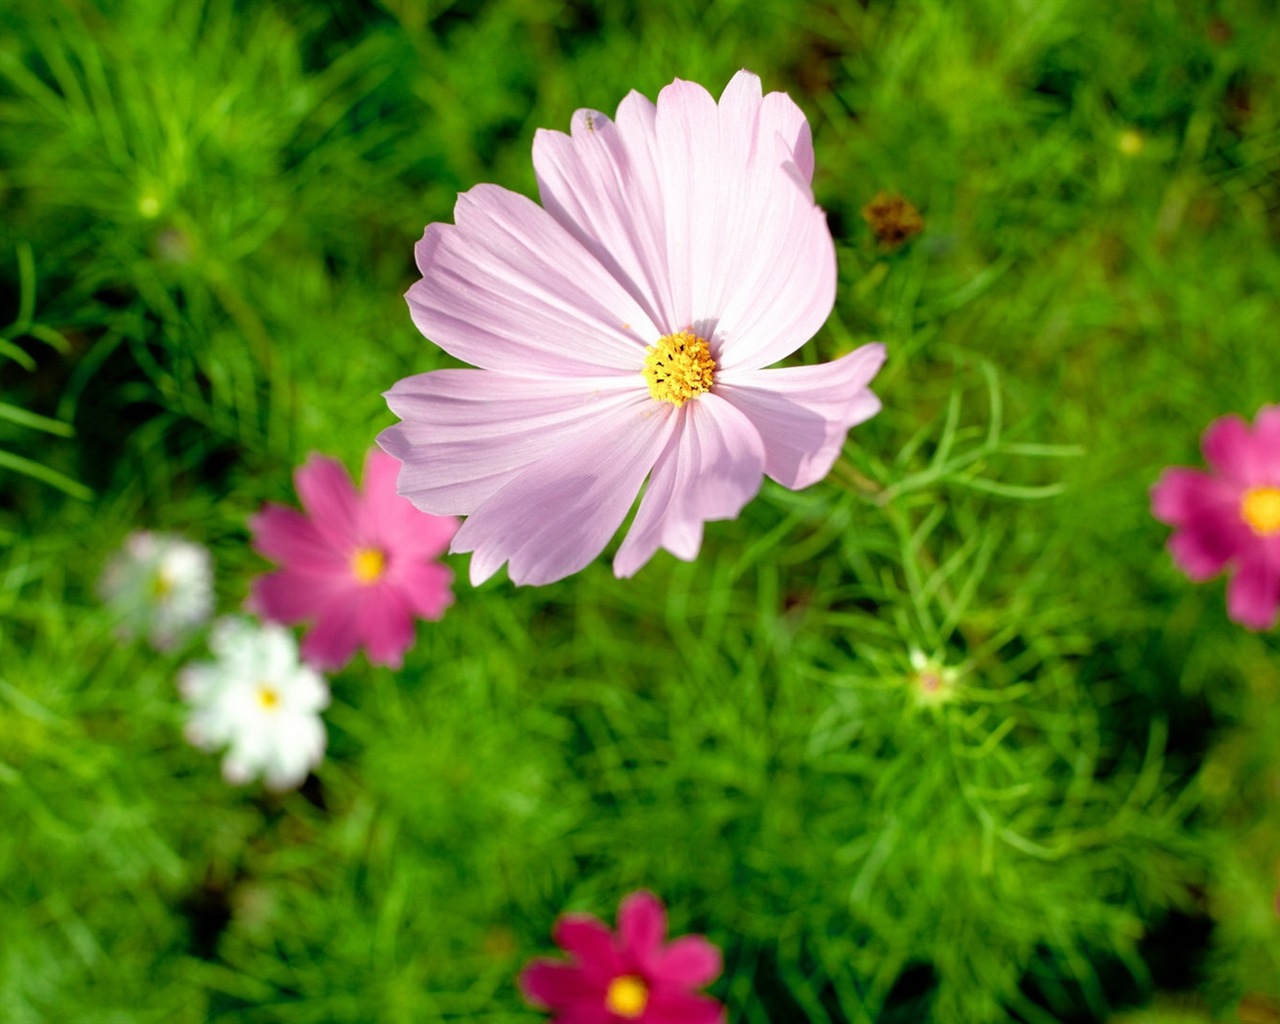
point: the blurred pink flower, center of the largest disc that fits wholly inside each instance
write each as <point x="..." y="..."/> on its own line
<point x="621" y="331"/>
<point x="1230" y="518"/>
<point x="361" y="566"/>
<point x="635" y="975"/>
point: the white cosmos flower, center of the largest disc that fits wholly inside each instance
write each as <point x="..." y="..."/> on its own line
<point x="259" y="701"/>
<point x="160" y="586"/>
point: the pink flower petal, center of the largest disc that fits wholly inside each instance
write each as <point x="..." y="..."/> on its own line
<point x="331" y="501"/>
<point x="289" y="596"/>
<point x="601" y="183"/>
<point x="687" y="131"/>
<point x="386" y="627"/>
<point x="1182" y="495"/>
<point x="390" y="522"/>
<point x="1204" y="552"/>
<point x="804" y="412"/>
<point x="1266" y="433"/>
<point x="781" y="118"/>
<point x="1253" y="594"/>
<point x="1230" y="448"/>
<point x="688" y="962"/>
<point x="332" y="641"/>
<point x="683" y="1008"/>
<point x="711" y="467"/>
<point x="466" y="434"/>
<point x="642" y="928"/>
<point x="591" y="944"/>
<point x="732" y="207"/>
<point x="286" y="535"/>
<point x="425" y="586"/>
<point x="509" y="288"/>
<point x="555" y="986"/>
<point x="557" y="515"/>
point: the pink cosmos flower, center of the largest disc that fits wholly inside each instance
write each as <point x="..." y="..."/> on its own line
<point x="361" y="566"/>
<point x="622" y="330"/>
<point x="635" y="975"/>
<point x="1230" y="518"/>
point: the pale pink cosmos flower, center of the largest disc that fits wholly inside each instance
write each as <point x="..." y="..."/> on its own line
<point x="1229" y="519"/>
<point x="622" y="331"/>
<point x="635" y="975"/>
<point x="362" y="567"/>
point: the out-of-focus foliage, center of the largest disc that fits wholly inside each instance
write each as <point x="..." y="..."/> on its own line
<point x="208" y="218"/>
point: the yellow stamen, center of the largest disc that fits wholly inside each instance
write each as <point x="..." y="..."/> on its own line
<point x="678" y="367"/>
<point x="1261" y="510"/>
<point x="268" y="697"/>
<point x="161" y="586"/>
<point x="627" y="996"/>
<point x="368" y="564"/>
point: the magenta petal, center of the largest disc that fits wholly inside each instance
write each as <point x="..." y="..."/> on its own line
<point x="687" y="962"/>
<point x="1202" y="553"/>
<point x="683" y="1008"/>
<point x="1182" y="495"/>
<point x="1230" y="448"/>
<point x="554" y="985"/>
<point x="557" y="515"/>
<point x="642" y="928"/>
<point x="710" y="468"/>
<point x="386" y="627"/>
<point x="1266" y="433"/>
<point x="330" y="499"/>
<point x="391" y="523"/>
<point x="426" y="587"/>
<point x="591" y="944"/>
<point x="509" y="288"/>
<point x="804" y="413"/>
<point x="1253" y="594"/>
<point x="468" y="433"/>
<point x="290" y="597"/>
<point x="285" y="535"/>
<point x="334" y="638"/>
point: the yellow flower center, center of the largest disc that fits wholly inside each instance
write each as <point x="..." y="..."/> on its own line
<point x="678" y="367"/>
<point x="1261" y="510"/>
<point x="161" y="586"/>
<point x="368" y="564"/>
<point x="627" y="996"/>
<point x="268" y="697"/>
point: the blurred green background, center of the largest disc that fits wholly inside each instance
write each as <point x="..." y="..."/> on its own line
<point x="209" y="211"/>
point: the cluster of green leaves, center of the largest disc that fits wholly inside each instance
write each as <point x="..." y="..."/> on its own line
<point x="209" y="212"/>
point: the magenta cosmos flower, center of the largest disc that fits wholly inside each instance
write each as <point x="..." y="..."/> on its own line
<point x="360" y="566"/>
<point x="635" y="975"/>
<point x="622" y="330"/>
<point x="1230" y="518"/>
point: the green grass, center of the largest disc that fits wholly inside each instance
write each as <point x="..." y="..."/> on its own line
<point x="209" y="213"/>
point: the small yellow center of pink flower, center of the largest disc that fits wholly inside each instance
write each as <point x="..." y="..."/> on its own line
<point x="268" y="697"/>
<point x="1261" y="510"/>
<point x="627" y="996"/>
<point x="678" y="367"/>
<point x="368" y="565"/>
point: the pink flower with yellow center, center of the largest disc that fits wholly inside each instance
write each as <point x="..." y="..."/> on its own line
<point x="360" y="566"/>
<point x="622" y="332"/>
<point x="633" y="976"/>
<point x="1229" y="519"/>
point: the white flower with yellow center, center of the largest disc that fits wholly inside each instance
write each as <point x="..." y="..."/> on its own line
<point x="160" y="586"/>
<point x="259" y="702"/>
